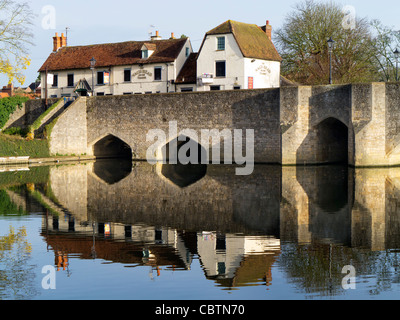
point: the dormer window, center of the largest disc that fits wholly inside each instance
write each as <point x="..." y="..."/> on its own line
<point x="147" y="50"/>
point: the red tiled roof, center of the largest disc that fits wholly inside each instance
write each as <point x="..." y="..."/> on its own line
<point x="113" y="54"/>
<point x="251" y="39"/>
<point x="188" y="71"/>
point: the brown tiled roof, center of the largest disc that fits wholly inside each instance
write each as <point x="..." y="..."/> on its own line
<point x="113" y="54"/>
<point x="188" y="71"/>
<point x="150" y="46"/>
<point x="251" y="39"/>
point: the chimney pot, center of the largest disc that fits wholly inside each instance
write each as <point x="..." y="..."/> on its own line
<point x="59" y="42"/>
<point x="268" y="30"/>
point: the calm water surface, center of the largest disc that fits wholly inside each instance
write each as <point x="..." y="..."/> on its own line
<point x="117" y="230"/>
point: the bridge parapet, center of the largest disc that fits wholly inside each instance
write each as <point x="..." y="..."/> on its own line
<point x="356" y="123"/>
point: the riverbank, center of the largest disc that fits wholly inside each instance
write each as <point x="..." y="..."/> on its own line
<point x="18" y="150"/>
<point x="16" y="146"/>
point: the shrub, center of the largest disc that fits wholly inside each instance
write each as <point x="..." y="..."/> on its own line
<point x="8" y="106"/>
<point x="16" y="131"/>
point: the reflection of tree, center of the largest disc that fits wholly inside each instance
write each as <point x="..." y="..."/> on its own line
<point x="7" y="207"/>
<point x="16" y="274"/>
<point x="317" y="268"/>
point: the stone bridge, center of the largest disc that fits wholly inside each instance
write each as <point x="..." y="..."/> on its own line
<point x="358" y="124"/>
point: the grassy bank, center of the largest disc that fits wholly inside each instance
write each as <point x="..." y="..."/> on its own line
<point x="14" y="146"/>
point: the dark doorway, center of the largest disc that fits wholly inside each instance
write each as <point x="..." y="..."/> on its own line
<point x="332" y="142"/>
<point x="112" y="147"/>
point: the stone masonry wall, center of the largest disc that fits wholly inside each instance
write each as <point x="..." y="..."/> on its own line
<point x="130" y="118"/>
<point x="29" y="112"/>
<point x="69" y="132"/>
<point x="356" y="123"/>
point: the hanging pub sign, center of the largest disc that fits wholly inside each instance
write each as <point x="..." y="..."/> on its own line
<point x="106" y="77"/>
<point x="250" y="83"/>
<point x="50" y="78"/>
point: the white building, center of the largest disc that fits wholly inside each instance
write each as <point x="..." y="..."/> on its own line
<point x="133" y="67"/>
<point x="234" y="55"/>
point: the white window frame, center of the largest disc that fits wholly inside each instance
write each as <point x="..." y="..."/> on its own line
<point x="218" y="43"/>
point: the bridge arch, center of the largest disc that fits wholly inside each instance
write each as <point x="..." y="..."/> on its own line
<point x="110" y="146"/>
<point x="188" y="172"/>
<point x="332" y="141"/>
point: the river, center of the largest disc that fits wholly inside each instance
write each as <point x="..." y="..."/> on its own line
<point x="113" y="229"/>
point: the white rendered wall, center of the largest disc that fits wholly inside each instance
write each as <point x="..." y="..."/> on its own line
<point x="234" y="62"/>
<point x="265" y="74"/>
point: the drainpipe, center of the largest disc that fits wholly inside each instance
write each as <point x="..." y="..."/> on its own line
<point x="46" y="92"/>
<point x="167" y="78"/>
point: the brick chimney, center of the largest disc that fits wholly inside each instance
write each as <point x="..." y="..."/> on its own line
<point x="268" y="30"/>
<point x="9" y="89"/>
<point x="59" y="42"/>
<point x="157" y="36"/>
<point x="172" y="36"/>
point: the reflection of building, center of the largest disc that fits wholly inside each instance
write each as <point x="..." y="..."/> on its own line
<point x="236" y="260"/>
<point x="116" y="242"/>
<point x="231" y="260"/>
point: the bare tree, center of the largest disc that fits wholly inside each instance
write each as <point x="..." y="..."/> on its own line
<point x="386" y="41"/>
<point x="15" y="37"/>
<point x="302" y="41"/>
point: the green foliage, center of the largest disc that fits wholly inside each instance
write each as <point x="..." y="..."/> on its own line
<point x="38" y="122"/>
<point x="16" y="131"/>
<point x="36" y="175"/>
<point x="13" y="146"/>
<point x="8" y="106"/>
<point x="7" y="207"/>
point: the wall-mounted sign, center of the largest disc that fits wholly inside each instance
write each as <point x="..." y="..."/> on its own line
<point x="250" y="83"/>
<point x="141" y="74"/>
<point x="207" y="78"/>
<point x="263" y="69"/>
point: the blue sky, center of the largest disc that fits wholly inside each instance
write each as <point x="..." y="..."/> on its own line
<point x="102" y="21"/>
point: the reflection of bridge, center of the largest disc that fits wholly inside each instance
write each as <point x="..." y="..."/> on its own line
<point x="357" y="124"/>
<point x="144" y="217"/>
<point x="348" y="206"/>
